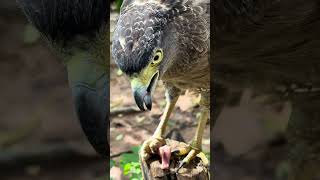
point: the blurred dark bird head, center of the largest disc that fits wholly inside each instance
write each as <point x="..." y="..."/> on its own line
<point x="78" y="31"/>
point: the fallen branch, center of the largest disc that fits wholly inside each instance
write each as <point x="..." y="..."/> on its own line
<point x="120" y="153"/>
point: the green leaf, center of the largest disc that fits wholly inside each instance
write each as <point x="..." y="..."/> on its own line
<point x="135" y="149"/>
<point x="118" y="4"/>
<point x="126" y="169"/>
<point x="132" y="170"/>
<point x="129" y="162"/>
<point x="128" y="158"/>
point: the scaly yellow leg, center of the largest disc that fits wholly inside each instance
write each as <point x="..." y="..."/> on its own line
<point x="171" y="102"/>
<point x="196" y="143"/>
<point x="151" y="145"/>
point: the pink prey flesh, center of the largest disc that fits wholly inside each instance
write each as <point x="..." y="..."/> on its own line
<point x="165" y="154"/>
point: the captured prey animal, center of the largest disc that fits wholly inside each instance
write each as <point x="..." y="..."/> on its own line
<point x="167" y="40"/>
<point x="78" y="31"/>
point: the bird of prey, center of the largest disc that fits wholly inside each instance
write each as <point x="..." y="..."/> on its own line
<point x="272" y="46"/>
<point x="78" y="31"/>
<point x="167" y="40"/>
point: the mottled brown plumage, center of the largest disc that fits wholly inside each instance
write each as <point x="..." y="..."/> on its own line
<point x="167" y="40"/>
<point x="181" y="28"/>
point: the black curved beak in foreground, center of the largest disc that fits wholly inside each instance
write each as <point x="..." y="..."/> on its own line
<point x="143" y="90"/>
<point x="90" y="90"/>
<point x="77" y="31"/>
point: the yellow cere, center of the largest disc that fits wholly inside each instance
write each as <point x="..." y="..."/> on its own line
<point x="143" y="79"/>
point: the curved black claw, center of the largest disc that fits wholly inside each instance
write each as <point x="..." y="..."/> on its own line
<point x="191" y="154"/>
<point x="181" y="164"/>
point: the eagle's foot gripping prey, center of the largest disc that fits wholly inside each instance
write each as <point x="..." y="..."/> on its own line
<point x="169" y="150"/>
<point x="190" y="152"/>
<point x="151" y="146"/>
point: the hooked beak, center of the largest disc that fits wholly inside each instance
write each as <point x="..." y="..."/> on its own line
<point x="143" y="91"/>
<point x="90" y="90"/>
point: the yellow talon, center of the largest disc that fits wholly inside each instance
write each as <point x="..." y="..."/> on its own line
<point x="203" y="158"/>
<point x="181" y="151"/>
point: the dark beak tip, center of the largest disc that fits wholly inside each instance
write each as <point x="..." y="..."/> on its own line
<point x="149" y="107"/>
<point x="141" y="108"/>
<point x="148" y="101"/>
<point x="139" y="101"/>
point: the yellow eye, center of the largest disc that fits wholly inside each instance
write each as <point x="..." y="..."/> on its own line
<point x="157" y="57"/>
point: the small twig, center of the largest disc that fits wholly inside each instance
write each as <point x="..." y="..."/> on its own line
<point x="120" y="153"/>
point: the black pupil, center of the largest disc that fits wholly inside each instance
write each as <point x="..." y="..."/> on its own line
<point x="156" y="58"/>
